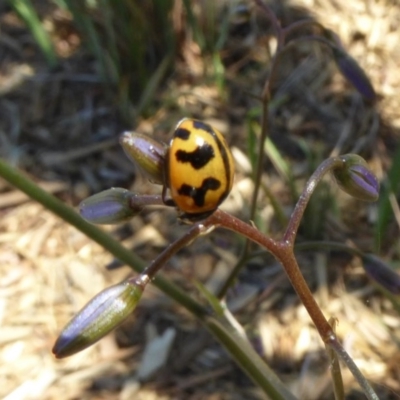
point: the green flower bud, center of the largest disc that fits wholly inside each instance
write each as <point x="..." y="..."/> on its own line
<point x="381" y="273"/>
<point x="100" y="316"/>
<point x="356" y="179"/>
<point x="146" y="152"/>
<point x="111" y="206"/>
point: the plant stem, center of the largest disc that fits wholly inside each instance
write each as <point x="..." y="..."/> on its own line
<point x="274" y="21"/>
<point x="192" y="234"/>
<point x="283" y="252"/>
<point x="260" y="157"/>
<point x="141" y="200"/>
<point x="248" y="359"/>
<point x="336" y="374"/>
<point x="294" y="222"/>
<point x="257" y="183"/>
<point x="301" y="24"/>
<point x="69" y="215"/>
<point x="351" y="365"/>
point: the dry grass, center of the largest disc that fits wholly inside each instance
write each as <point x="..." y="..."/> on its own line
<point x="61" y="128"/>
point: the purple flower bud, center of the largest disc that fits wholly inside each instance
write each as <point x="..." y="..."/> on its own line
<point x="100" y="316"/>
<point x="146" y="152"/>
<point x="350" y="69"/>
<point x="381" y="273"/>
<point x="356" y="179"/>
<point x="111" y="206"/>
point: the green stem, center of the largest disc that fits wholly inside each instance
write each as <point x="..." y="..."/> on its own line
<point x="248" y="359"/>
<point x="105" y="240"/>
<point x="26" y="10"/>
<point x="336" y="374"/>
<point x="257" y="183"/>
<point x="351" y="365"/>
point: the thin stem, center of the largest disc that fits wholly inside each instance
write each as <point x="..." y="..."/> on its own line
<point x="299" y="25"/>
<point x="319" y="245"/>
<point x="336" y="373"/>
<point x="283" y="252"/>
<point x="351" y="365"/>
<point x="228" y="221"/>
<point x="142" y="200"/>
<point x="248" y="359"/>
<point x="314" y="38"/>
<point x="328" y="246"/>
<point x="288" y="46"/>
<point x="69" y="215"/>
<point x="260" y="157"/>
<point x="235" y="271"/>
<point x="293" y="226"/>
<point x="194" y="232"/>
<point x="274" y="21"/>
<point x="257" y="183"/>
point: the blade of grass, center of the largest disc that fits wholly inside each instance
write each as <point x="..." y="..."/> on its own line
<point x="26" y="11"/>
<point x="153" y="84"/>
<point x="335" y="370"/>
<point x="84" y="21"/>
<point x="282" y="167"/>
<point x="252" y="144"/>
<point x="384" y="206"/>
<point x="111" y="38"/>
<point x="194" y="25"/>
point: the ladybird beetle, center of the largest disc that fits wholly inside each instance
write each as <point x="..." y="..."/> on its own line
<point x="199" y="169"/>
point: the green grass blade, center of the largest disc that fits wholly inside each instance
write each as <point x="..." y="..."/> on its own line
<point x="193" y="23"/>
<point x="153" y="85"/>
<point x="26" y="11"/>
<point x="385" y="211"/>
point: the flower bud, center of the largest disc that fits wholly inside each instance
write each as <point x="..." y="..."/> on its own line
<point x="350" y="69"/>
<point x="100" y="316"/>
<point x="111" y="206"/>
<point x="146" y="152"/>
<point x="381" y="273"/>
<point x="356" y="179"/>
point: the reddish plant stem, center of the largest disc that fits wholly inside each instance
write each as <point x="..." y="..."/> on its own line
<point x="192" y="234"/>
<point x="291" y="231"/>
<point x="283" y="252"/>
<point x="142" y="200"/>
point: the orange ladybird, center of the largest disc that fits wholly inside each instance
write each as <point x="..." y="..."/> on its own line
<point x="199" y="169"/>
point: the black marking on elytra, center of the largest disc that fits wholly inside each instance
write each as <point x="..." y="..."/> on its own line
<point x="198" y="194"/>
<point x="197" y="158"/>
<point x="227" y="166"/>
<point x="204" y="127"/>
<point x="221" y="147"/>
<point x="182" y="133"/>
